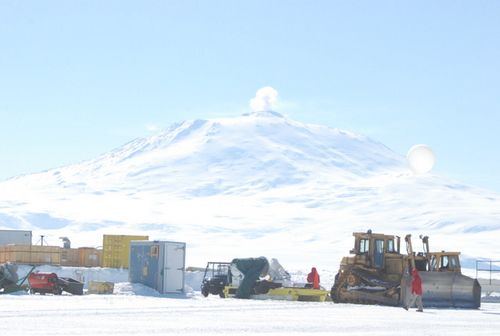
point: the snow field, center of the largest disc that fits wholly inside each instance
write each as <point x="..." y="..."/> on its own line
<point x="147" y="315"/>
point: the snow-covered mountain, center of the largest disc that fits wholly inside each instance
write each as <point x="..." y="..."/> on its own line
<point x="259" y="184"/>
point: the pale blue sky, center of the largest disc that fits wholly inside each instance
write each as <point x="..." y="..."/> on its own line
<point x="78" y="78"/>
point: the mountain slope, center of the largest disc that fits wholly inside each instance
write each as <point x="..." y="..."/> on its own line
<point x="259" y="184"/>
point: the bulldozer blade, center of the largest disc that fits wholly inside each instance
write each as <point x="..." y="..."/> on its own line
<point x="449" y="290"/>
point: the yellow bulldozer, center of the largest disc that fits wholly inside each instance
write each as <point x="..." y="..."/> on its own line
<point x="378" y="273"/>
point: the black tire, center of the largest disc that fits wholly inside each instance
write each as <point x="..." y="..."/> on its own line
<point x="221" y="294"/>
<point x="262" y="287"/>
<point x="204" y="291"/>
<point x="333" y="291"/>
<point x="333" y="294"/>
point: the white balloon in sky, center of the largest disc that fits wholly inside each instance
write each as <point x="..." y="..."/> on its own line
<point x="421" y="159"/>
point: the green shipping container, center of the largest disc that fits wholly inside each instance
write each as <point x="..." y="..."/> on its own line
<point x="116" y="250"/>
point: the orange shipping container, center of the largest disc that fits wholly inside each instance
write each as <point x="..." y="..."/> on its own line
<point x="70" y="257"/>
<point x="89" y="257"/>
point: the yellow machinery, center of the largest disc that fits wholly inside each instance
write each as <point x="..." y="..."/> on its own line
<point x="259" y="279"/>
<point x="283" y="293"/>
<point x="378" y="273"/>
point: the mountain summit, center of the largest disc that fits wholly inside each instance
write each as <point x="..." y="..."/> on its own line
<point x="249" y="154"/>
<point x="244" y="186"/>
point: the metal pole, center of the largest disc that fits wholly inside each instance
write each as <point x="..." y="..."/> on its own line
<point x="490" y="272"/>
<point x="477" y="262"/>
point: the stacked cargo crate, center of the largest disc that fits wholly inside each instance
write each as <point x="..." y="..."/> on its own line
<point x="17" y="248"/>
<point x="31" y="254"/>
<point x="50" y="255"/>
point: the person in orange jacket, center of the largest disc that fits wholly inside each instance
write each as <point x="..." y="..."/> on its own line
<point x="416" y="291"/>
<point x="313" y="278"/>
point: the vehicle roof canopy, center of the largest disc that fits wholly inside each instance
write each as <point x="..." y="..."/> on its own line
<point x="369" y="235"/>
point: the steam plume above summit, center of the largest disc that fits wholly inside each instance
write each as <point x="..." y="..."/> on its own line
<point x="265" y="100"/>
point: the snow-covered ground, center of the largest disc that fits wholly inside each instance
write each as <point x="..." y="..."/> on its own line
<point x="127" y="314"/>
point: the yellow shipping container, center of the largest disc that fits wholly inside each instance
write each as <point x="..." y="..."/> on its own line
<point x="116" y="250"/>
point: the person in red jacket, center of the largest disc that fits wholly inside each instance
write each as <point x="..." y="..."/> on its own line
<point x="416" y="291"/>
<point x="313" y="278"/>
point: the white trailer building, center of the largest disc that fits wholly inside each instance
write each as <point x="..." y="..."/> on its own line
<point x="17" y="237"/>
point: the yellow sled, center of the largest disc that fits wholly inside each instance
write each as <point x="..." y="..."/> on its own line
<point x="284" y="293"/>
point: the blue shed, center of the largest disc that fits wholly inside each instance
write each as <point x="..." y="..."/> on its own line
<point x="158" y="264"/>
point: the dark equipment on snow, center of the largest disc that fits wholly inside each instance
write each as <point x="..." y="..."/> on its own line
<point x="256" y="278"/>
<point x="9" y="280"/>
<point x="216" y="277"/>
<point x="44" y="283"/>
<point x="8" y="275"/>
<point x="252" y="269"/>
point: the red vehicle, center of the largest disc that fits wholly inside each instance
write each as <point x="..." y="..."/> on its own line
<point x="44" y="283"/>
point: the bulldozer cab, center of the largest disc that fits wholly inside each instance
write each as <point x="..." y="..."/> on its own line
<point x="375" y="247"/>
<point x="444" y="262"/>
<point x="435" y="261"/>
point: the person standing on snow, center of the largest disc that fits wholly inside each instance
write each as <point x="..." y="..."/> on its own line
<point x="313" y="278"/>
<point x="416" y="291"/>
